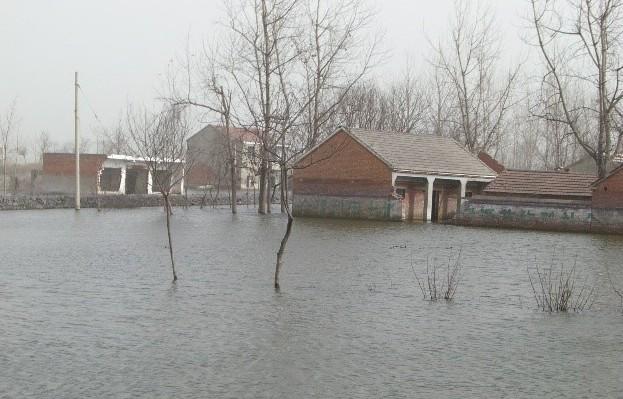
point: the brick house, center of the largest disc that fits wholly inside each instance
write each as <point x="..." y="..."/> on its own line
<point x="106" y="174"/>
<point x="58" y="172"/>
<point x="608" y="192"/>
<point x="357" y="173"/>
<point x="549" y="200"/>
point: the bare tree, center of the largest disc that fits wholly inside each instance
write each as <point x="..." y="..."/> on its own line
<point x="337" y="50"/>
<point x="468" y="65"/>
<point x="259" y="29"/>
<point x="7" y="127"/>
<point x="282" y="71"/>
<point x="208" y="88"/>
<point x="115" y="140"/>
<point x="44" y="144"/>
<point x="334" y="59"/>
<point x="581" y="47"/>
<point x="402" y="106"/>
<point x="160" y="140"/>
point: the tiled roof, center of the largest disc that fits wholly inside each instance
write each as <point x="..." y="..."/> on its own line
<point x="541" y="183"/>
<point x="422" y="154"/>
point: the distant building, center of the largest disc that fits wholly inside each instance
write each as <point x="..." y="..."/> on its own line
<point x="208" y="148"/>
<point x="587" y="165"/>
<point x="106" y="174"/>
<point x="366" y="174"/>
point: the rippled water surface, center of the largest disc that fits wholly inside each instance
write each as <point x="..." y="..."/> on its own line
<point x="87" y="309"/>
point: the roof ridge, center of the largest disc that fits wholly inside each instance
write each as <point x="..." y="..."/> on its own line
<point x="560" y="172"/>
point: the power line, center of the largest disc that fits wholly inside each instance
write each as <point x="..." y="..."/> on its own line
<point x="104" y="128"/>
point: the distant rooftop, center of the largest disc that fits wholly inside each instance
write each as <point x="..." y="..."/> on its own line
<point x="587" y="165"/>
<point x="235" y="133"/>
<point x="541" y="183"/>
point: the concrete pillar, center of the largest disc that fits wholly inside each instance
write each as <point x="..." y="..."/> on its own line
<point x="149" y="182"/>
<point x="122" y="183"/>
<point x="459" y="199"/>
<point x="182" y="180"/>
<point x="429" y="198"/>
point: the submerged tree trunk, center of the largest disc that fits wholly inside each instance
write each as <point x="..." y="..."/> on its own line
<point x="262" y="195"/>
<point x="97" y="194"/>
<point x="167" y="210"/>
<point x="282" y="249"/>
<point x="234" y="194"/>
<point x="268" y="189"/>
<point x="283" y="189"/>
<point x="4" y="171"/>
<point x="286" y="236"/>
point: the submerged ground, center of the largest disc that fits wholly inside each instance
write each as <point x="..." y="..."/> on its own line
<point x="87" y="309"/>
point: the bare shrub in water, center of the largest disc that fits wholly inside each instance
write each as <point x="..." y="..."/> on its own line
<point x="560" y="290"/>
<point x="440" y="281"/>
<point x="615" y="288"/>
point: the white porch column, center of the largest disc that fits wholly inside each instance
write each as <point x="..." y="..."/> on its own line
<point x="429" y="198"/>
<point x="182" y="181"/>
<point x="463" y="187"/>
<point x="149" y="182"/>
<point x="122" y="182"/>
<point x="459" y="199"/>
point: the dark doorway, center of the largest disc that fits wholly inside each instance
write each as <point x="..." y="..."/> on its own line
<point x="435" y="215"/>
<point x="136" y="181"/>
<point x="110" y="179"/>
<point x="130" y="182"/>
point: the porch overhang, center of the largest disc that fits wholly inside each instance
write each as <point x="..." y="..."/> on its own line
<point x="430" y="178"/>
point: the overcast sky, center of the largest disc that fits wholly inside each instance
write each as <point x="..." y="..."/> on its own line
<point x="121" y="50"/>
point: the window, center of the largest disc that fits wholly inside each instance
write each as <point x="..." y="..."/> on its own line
<point x="401" y="192"/>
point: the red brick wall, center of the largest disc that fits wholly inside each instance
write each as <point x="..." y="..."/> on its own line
<point x="609" y="193"/>
<point x="65" y="164"/>
<point x="342" y="167"/>
<point x="201" y="174"/>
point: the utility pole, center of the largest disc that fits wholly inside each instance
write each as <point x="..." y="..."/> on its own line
<point x="15" y="181"/>
<point x="77" y="142"/>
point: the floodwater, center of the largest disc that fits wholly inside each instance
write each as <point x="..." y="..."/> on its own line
<point x="87" y="309"/>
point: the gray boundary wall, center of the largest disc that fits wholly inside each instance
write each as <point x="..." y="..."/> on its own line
<point x="25" y="202"/>
<point x="367" y="208"/>
<point x="572" y="216"/>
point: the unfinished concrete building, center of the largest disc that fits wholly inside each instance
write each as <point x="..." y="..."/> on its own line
<point x="210" y="147"/>
<point x="366" y="174"/>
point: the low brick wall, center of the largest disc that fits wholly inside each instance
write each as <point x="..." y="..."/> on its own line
<point x="567" y="216"/>
<point x="24" y="202"/>
<point x="347" y="207"/>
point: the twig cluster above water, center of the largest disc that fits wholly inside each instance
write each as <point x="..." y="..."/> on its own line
<point x="440" y="280"/>
<point x="560" y="290"/>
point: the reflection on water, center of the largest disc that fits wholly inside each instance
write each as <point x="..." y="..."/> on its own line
<point x="87" y="310"/>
